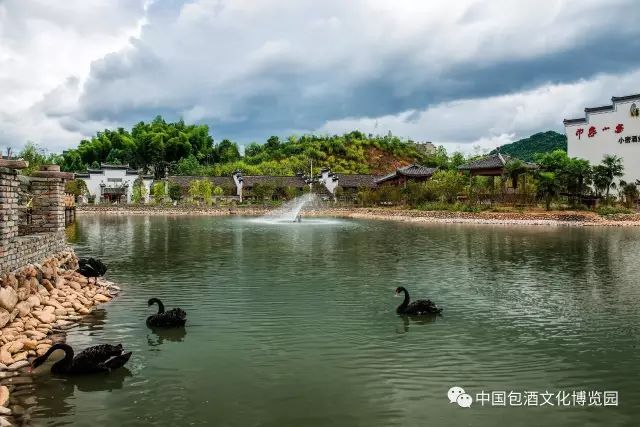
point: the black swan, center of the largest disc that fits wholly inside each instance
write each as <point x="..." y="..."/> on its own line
<point x="417" y="308"/>
<point x="91" y="267"/>
<point x="173" y="318"/>
<point x="99" y="358"/>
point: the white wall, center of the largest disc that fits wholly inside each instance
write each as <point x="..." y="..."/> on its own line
<point x="328" y="182"/>
<point x="607" y="141"/>
<point x="109" y="177"/>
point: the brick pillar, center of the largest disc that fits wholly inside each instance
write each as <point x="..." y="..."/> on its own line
<point x="8" y="204"/>
<point x="47" y="187"/>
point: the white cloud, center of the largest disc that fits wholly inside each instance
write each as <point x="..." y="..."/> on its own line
<point x="46" y="50"/>
<point x="490" y="122"/>
<point x="251" y="69"/>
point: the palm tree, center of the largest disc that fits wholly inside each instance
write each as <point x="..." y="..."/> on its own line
<point x="578" y="172"/>
<point x="513" y="169"/>
<point x="606" y="172"/>
<point x="628" y="192"/>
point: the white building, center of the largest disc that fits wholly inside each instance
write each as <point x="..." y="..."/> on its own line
<point x="113" y="183"/>
<point x="610" y="129"/>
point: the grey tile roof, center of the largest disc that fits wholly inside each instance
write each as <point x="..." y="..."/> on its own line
<point x="598" y="109"/>
<point x="277" y="181"/>
<point x="357" y="180"/>
<point x="112" y="166"/>
<point x="217" y="181"/>
<point x="625" y="98"/>
<point x="574" y="121"/>
<point x="491" y="161"/>
<point x="587" y="110"/>
<point x="413" y="171"/>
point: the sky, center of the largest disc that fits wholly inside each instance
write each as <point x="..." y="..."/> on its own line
<point x="467" y="74"/>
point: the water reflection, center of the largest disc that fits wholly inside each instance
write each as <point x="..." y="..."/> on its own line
<point x="56" y="394"/>
<point x="295" y="326"/>
<point x="417" y="321"/>
<point x="159" y="336"/>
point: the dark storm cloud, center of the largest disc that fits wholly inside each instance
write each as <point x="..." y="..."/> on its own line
<point x="252" y="69"/>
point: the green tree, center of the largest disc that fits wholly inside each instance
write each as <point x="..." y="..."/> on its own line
<point x="513" y="169"/>
<point x="263" y="191"/>
<point x="175" y="192"/>
<point x="158" y="191"/>
<point x="77" y="187"/>
<point x="35" y="155"/>
<point x="628" y="193"/>
<point x="139" y="191"/>
<point x="548" y="187"/>
<point x="606" y="173"/>
<point x="446" y="184"/>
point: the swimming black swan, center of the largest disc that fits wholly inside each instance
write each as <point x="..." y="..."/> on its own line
<point x="91" y="267"/>
<point x="166" y="319"/>
<point x="99" y="358"/>
<point x="417" y="308"/>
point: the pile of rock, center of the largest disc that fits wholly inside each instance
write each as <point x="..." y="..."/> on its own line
<point x="36" y="301"/>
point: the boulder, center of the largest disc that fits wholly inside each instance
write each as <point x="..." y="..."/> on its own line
<point x="45" y="316"/>
<point x="15" y="347"/>
<point x="4" y="395"/>
<point x="60" y="283"/>
<point x="54" y="303"/>
<point x="74" y="285"/>
<point x="5" y="357"/>
<point x="101" y="298"/>
<point x="30" y="344"/>
<point x="47" y="285"/>
<point x="5" y="316"/>
<point x="24" y="308"/>
<point x="34" y="301"/>
<point x="19" y="357"/>
<point x="17" y="365"/>
<point x="42" y="349"/>
<point x="8" y="298"/>
<point x="35" y="335"/>
<point x="23" y="293"/>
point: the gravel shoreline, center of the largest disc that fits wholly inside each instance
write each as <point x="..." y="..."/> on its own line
<point x="552" y="218"/>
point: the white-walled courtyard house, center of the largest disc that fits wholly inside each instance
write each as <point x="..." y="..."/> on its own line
<point x="610" y="129"/>
<point x="113" y="183"/>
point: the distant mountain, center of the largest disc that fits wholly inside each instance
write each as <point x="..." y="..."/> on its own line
<point x="543" y="142"/>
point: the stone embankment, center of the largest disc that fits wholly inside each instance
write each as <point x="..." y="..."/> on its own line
<point x="37" y="303"/>
<point x="533" y="217"/>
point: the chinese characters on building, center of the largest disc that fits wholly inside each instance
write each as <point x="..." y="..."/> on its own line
<point x="592" y="131"/>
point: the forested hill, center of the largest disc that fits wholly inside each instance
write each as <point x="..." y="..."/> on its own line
<point x="543" y="142"/>
<point x="190" y="150"/>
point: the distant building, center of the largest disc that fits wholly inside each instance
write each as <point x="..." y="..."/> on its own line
<point x="113" y="183"/>
<point x="609" y="129"/>
<point x="425" y="147"/>
<point x="401" y="176"/>
<point x="225" y="182"/>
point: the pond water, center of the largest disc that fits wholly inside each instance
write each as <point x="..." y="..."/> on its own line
<point x="295" y="324"/>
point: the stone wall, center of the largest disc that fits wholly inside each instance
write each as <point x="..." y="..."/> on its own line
<point x="32" y="248"/>
<point x="24" y="243"/>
